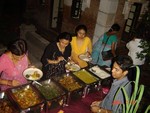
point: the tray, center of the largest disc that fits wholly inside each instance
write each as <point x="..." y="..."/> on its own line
<point x="99" y="72"/>
<point x="69" y="82"/>
<point x="25" y="96"/>
<point x="86" y="77"/>
<point x="49" y="89"/>
<point x="5" y="104"/>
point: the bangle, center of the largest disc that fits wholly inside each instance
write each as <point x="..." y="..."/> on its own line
<point x="99" y="111"/>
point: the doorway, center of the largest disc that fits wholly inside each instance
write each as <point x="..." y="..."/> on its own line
<point x="56" y="15"/>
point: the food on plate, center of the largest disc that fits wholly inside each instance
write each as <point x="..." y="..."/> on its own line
<point x="32" y="73"/>
<point x="35" y="75"/>
<point x="85" y="57"/>
<point x="72" y="67"/>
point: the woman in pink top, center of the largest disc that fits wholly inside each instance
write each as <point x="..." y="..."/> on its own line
<point x="12" y="64"/>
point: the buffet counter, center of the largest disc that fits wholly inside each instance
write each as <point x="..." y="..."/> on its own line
<point x="40" y="95"/>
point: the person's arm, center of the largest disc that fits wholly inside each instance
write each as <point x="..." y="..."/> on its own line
<point x="97" y="109"/>
<point x="29" y="62"/>
<point x="90" y="47"/>
<point x="49" y="51"/>
<point x="9" y="82"/>
<point x="67" y="53"/>
<point x="55" y="61"/>
<point x="101" y="110"/>
<point x="128" y="45"/>
<point x="113" y="49"/>
<point x="4" y="82"/>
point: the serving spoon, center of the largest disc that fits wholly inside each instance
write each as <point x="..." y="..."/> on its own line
<point x="37" y="83"/>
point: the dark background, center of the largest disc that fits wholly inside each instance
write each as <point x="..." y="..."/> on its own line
<point x="11" y="16"/>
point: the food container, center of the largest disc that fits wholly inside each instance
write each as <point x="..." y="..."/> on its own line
<point x="26" y="97"/>
<point x="49" y="89"/>
<point x="90" y="80"/>
<point x="71" y="84"/>
<point x="86" y="77"/>
<point x="51" y="92"/>
<point x="5" y="104"/>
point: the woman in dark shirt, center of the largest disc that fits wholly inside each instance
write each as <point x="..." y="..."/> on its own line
<point x="55" y="56"/>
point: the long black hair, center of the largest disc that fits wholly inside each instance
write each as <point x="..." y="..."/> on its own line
<point x="79" y="27"/>
<point x="18" y="47"/>
<point x="114" y="27"/>
<point x="64" y="35"/>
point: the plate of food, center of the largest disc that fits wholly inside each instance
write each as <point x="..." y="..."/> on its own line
<point x="32" y="73"/>
<point x="85" y="57"/>
<point x="72" y="67"/>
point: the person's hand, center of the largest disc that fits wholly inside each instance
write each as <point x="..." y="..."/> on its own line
<point x="88" y="54"/>
<point x="15" y="83"/>
<point x="95" y="103"/>
<point x="95" y="109"/>
<point x="31" y="66"/>
<point x="60" y="59"/>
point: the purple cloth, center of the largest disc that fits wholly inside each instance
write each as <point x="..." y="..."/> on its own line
<point x="81" y="105"/>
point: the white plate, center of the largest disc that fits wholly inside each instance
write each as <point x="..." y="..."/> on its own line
<point x="85" y="58"/>
<point x="72" y="67"/>
<point x="29" y="74"/>
<point x="99" y="72"/>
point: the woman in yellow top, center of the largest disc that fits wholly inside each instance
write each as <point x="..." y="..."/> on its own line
<point x="81" y="44"/>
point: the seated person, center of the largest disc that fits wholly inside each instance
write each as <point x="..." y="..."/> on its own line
<point x="55" y="56"/>
<point x="120" y="69"/>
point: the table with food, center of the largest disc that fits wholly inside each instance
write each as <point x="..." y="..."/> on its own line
<point x="41" y="94"/>
<point x="70" y="83"/>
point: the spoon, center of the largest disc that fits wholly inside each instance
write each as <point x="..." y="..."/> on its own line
<point x="37" y="83"/>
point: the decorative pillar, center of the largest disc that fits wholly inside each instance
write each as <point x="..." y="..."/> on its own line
<point x="105" y="18"/>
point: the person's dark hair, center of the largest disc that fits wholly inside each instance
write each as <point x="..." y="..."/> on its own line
<point x="114" y="27"/>
<point x="18" y="47"/>
<point x="125" y="62"/>
<point x="79" y="27"/>
<point x="65" y="35"/>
